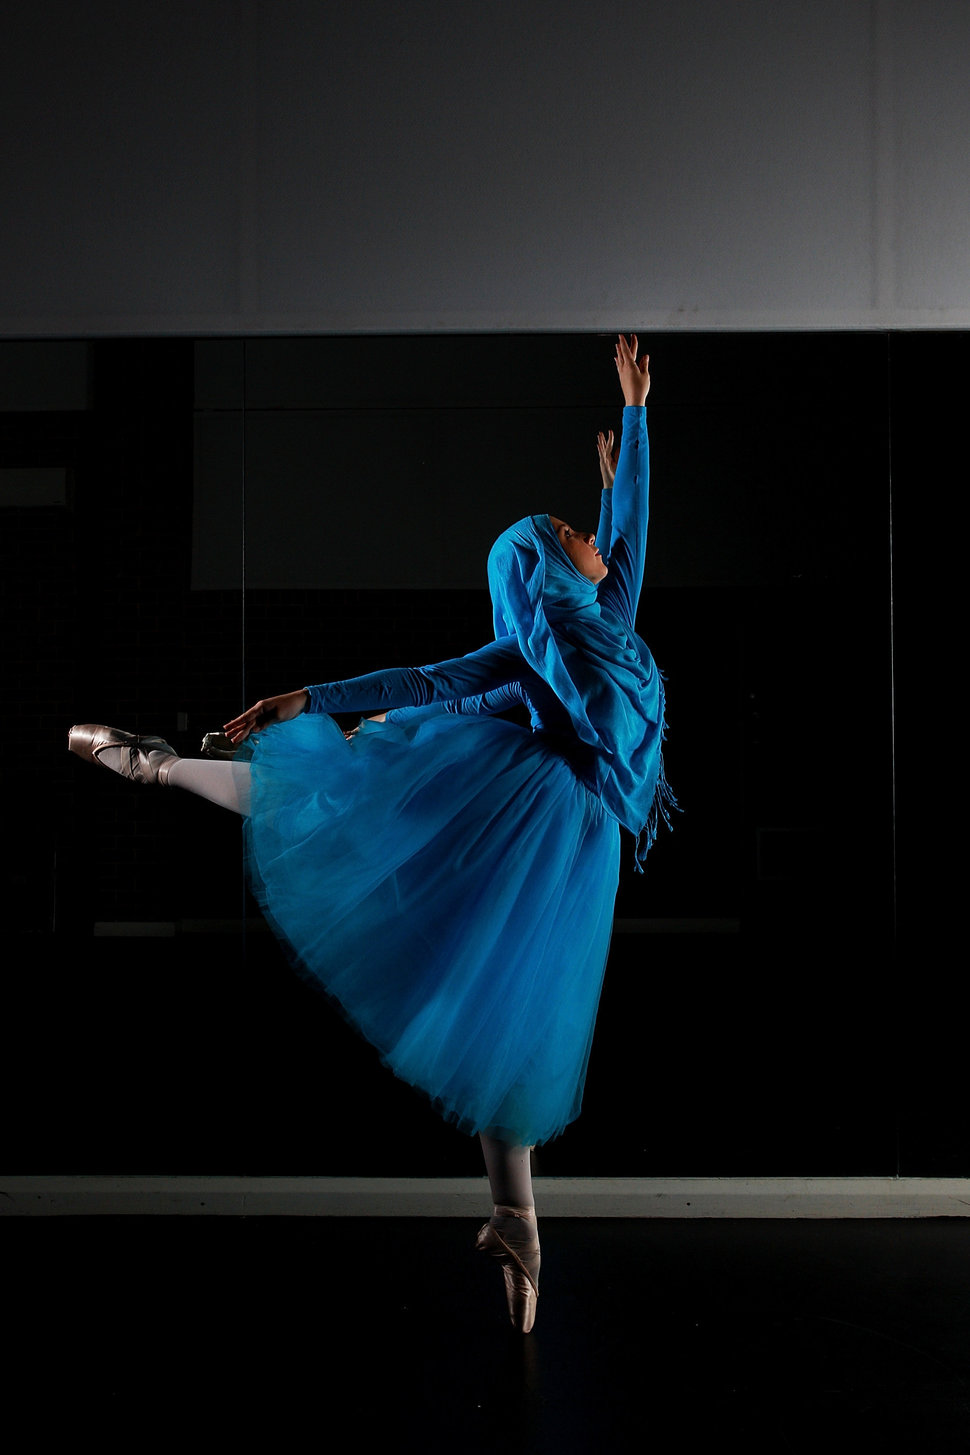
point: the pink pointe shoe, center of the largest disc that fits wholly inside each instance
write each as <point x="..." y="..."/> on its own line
<point x="142" y="759"/>
<point x="520" y="1269"/>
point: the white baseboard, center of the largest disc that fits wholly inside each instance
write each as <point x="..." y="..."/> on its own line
<point x="445" y="1197"/>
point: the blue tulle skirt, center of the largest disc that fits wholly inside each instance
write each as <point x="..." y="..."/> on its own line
<point x="450" y="884"/>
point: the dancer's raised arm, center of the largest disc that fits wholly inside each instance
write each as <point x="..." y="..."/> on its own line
<point x="634" y="373"/>
<point x="629" y="497"/>
<point x="607" y="458"/>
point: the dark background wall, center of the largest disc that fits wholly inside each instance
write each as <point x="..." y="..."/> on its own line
<point x="758" y="1017"/>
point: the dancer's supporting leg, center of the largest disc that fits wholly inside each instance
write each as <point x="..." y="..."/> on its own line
<point x="509" y="1171"/>
<point x="511" y="1234"/>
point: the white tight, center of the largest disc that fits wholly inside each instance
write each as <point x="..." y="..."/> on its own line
<point x="509" y="1171"/>
<point x="218" y="780"/>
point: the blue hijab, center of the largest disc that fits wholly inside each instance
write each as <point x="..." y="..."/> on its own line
<point x="599" y="669"/>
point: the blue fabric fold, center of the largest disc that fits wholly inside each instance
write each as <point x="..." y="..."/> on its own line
<point x="600" y="670"/>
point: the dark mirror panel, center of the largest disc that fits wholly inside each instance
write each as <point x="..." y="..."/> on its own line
<point x="190" y="524"/>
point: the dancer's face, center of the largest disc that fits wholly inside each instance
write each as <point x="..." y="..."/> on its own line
<point x="580" y="547"/>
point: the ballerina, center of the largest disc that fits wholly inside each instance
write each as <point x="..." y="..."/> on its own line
<point x="447" y="876"/>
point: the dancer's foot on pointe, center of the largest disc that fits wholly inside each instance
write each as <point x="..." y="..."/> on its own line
<point x="512" y="1238"/>
<point x="142" y="759"/>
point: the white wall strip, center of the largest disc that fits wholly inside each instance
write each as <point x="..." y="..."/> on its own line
<point x="802" y="166"/>
<point x="567" y="1197"/>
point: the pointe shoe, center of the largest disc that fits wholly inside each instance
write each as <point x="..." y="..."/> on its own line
<point x="218" y="745"/>
<point x="89" y="740"/>
<point x="520" y="1269"/>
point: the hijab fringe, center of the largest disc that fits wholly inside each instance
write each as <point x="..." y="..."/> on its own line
<point x="664" y="802"/>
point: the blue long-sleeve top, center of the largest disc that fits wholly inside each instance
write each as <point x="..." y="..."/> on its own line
<point x="496" y="677"/>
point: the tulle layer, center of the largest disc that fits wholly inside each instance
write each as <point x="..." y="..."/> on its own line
<point x="451" y="885"/>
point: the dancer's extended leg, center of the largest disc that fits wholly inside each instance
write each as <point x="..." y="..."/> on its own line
<point x="227" y="784"/>
<point x="152" y="760"/>
<point x="511" y="1234"/>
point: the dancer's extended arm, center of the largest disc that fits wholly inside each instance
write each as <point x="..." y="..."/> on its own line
<point x="479" y="672"/>
<point x="500" y="699"/>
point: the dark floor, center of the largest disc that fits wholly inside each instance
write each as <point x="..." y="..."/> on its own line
<point x="802" y="1336"/>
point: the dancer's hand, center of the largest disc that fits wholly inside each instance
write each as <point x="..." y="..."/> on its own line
<point x="634" y="375"/>
<point x="608" y="458"/>
<point x="352" y="732"/>
<point x="271" y="709"/>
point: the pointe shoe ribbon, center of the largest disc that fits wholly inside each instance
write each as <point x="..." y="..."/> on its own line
<point x="520" y="1272"/>
<point x="90" y="739"/>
